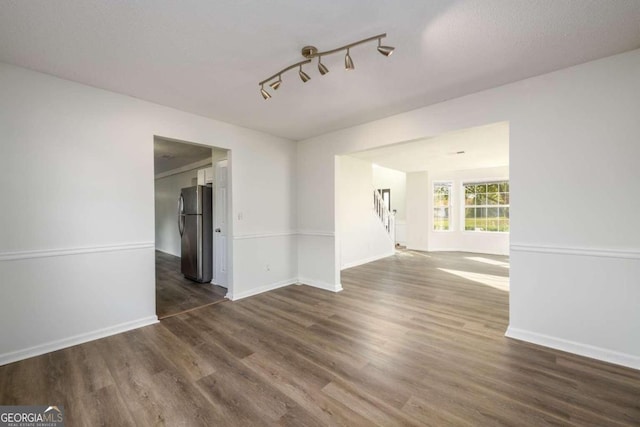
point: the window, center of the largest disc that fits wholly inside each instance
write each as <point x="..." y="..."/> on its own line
<point x="386" y="196"/>
<point x="441" y="206"/>
<point x="486" y="206"/>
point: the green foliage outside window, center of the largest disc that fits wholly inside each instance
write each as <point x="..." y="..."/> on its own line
<point x="486" y="206"/>
<point x="441" y="206"/>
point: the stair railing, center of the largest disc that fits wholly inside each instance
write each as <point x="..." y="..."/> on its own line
<point x="387" y="218"/>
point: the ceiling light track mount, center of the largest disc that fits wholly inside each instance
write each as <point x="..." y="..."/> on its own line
<point x="311" y="52"/>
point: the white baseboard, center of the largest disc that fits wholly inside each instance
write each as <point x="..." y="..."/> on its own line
<point x="320" y="284"/>
<point x="467" y="250"/>
<point x="238" y="296"/>
<point x="366" y="260"/>
<point x="599" y="353"/>
<point x="75" y="340"/>
<point x="167" y="252"/>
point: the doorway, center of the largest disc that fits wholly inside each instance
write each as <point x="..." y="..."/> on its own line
<point x="191" y="210"/>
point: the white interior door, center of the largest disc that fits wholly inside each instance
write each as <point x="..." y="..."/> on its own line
<point x="220" y="227"/>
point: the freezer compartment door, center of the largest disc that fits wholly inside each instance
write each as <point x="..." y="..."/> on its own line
<point x="191" y="198"/>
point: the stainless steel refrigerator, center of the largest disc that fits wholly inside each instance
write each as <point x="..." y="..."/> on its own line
<point x="195" y="222"/>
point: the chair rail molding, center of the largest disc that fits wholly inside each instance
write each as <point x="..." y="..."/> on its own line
<point x="316" y="233"/>
<point x="577" y="251"/>
<point x="45" y="253"/>
<point x="264" y="235"/>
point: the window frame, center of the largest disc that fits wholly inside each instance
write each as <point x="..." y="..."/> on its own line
<point x="450" y="205"/>
<point x="463" y="204"/>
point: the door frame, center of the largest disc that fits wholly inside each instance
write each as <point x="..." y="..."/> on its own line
<point x="230" y="239"/>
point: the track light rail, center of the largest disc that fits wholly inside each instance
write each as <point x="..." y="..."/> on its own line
<point x="284" y="70"/>
<point x="311" y="52"/>
<point x="350" y="45"/>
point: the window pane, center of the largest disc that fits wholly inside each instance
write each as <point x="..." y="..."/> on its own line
<point x="441" y="192"/>
<point x="441" y="188"/>
<point x="481" y="199"/>
<point x="493" y="188"/>
<point x="441" y="219"/>
<point x="504" y="224"/>
<point x="481" y="188"/>
<point x="470" y="199"/>
<point x="492" y="219"/>
<point x="504" y="198"/>
<point x="504" y="186"/>
<point x="481" y="219"/>
<point x="445" y="219"/>
<point x="492" y="198"/>
<point x="442" y="200"/>
<point x="469" y="219"/>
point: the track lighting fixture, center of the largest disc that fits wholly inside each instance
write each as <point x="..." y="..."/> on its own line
<point x="264" y="93"/>
<point x="303" y="76"/>
<point x="348" y="62"/>
<point x="311" y="52"/>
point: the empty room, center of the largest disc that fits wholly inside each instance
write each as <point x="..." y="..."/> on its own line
<point x="313" y="214"/>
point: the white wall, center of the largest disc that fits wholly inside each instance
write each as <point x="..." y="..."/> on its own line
<point x="457" y="239"/>
<point x="77" y="260"/>
<point x="573" y="134"/>
<point x="167" y="191"/>
<point x="363" y="238"/>
<point x="417" y="208"/>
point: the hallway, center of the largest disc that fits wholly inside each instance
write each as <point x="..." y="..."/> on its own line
<point x="175" y="294"/>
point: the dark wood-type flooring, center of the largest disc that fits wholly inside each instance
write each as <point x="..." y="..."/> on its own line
<point x="176" y="294"/>
<point x="406" y="343"/>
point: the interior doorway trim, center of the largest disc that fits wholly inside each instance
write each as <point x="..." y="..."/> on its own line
<point x="230" y="236"/>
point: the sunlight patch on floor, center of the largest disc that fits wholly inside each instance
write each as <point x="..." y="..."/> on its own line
<point x="497" y="282"/>
<point x="488" y="261"/>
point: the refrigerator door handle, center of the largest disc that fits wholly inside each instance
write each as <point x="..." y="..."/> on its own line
<point x="181" y="215"/>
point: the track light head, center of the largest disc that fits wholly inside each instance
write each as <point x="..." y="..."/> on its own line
<point x="385" y="50"/>
<point x="321" y="67"/>
<point x="264" y="93"/>
<point x="275" y="85"/>
<point x="303" y="76"/>
<point x="348" y="62"/>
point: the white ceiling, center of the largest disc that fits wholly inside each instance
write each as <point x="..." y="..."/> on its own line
<point x="207" y="57"/>
<point x="169" y="155"/>
<point x="484" y="147"/>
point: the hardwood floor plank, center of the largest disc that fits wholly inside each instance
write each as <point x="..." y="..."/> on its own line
<point x="176" y="294"/>
<point x="412" y="340"/>
<point x="373" y="409"/>
<point x="97" y="409"/>
<point x="222" y="337"/>
<point x="189" y="363"/>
